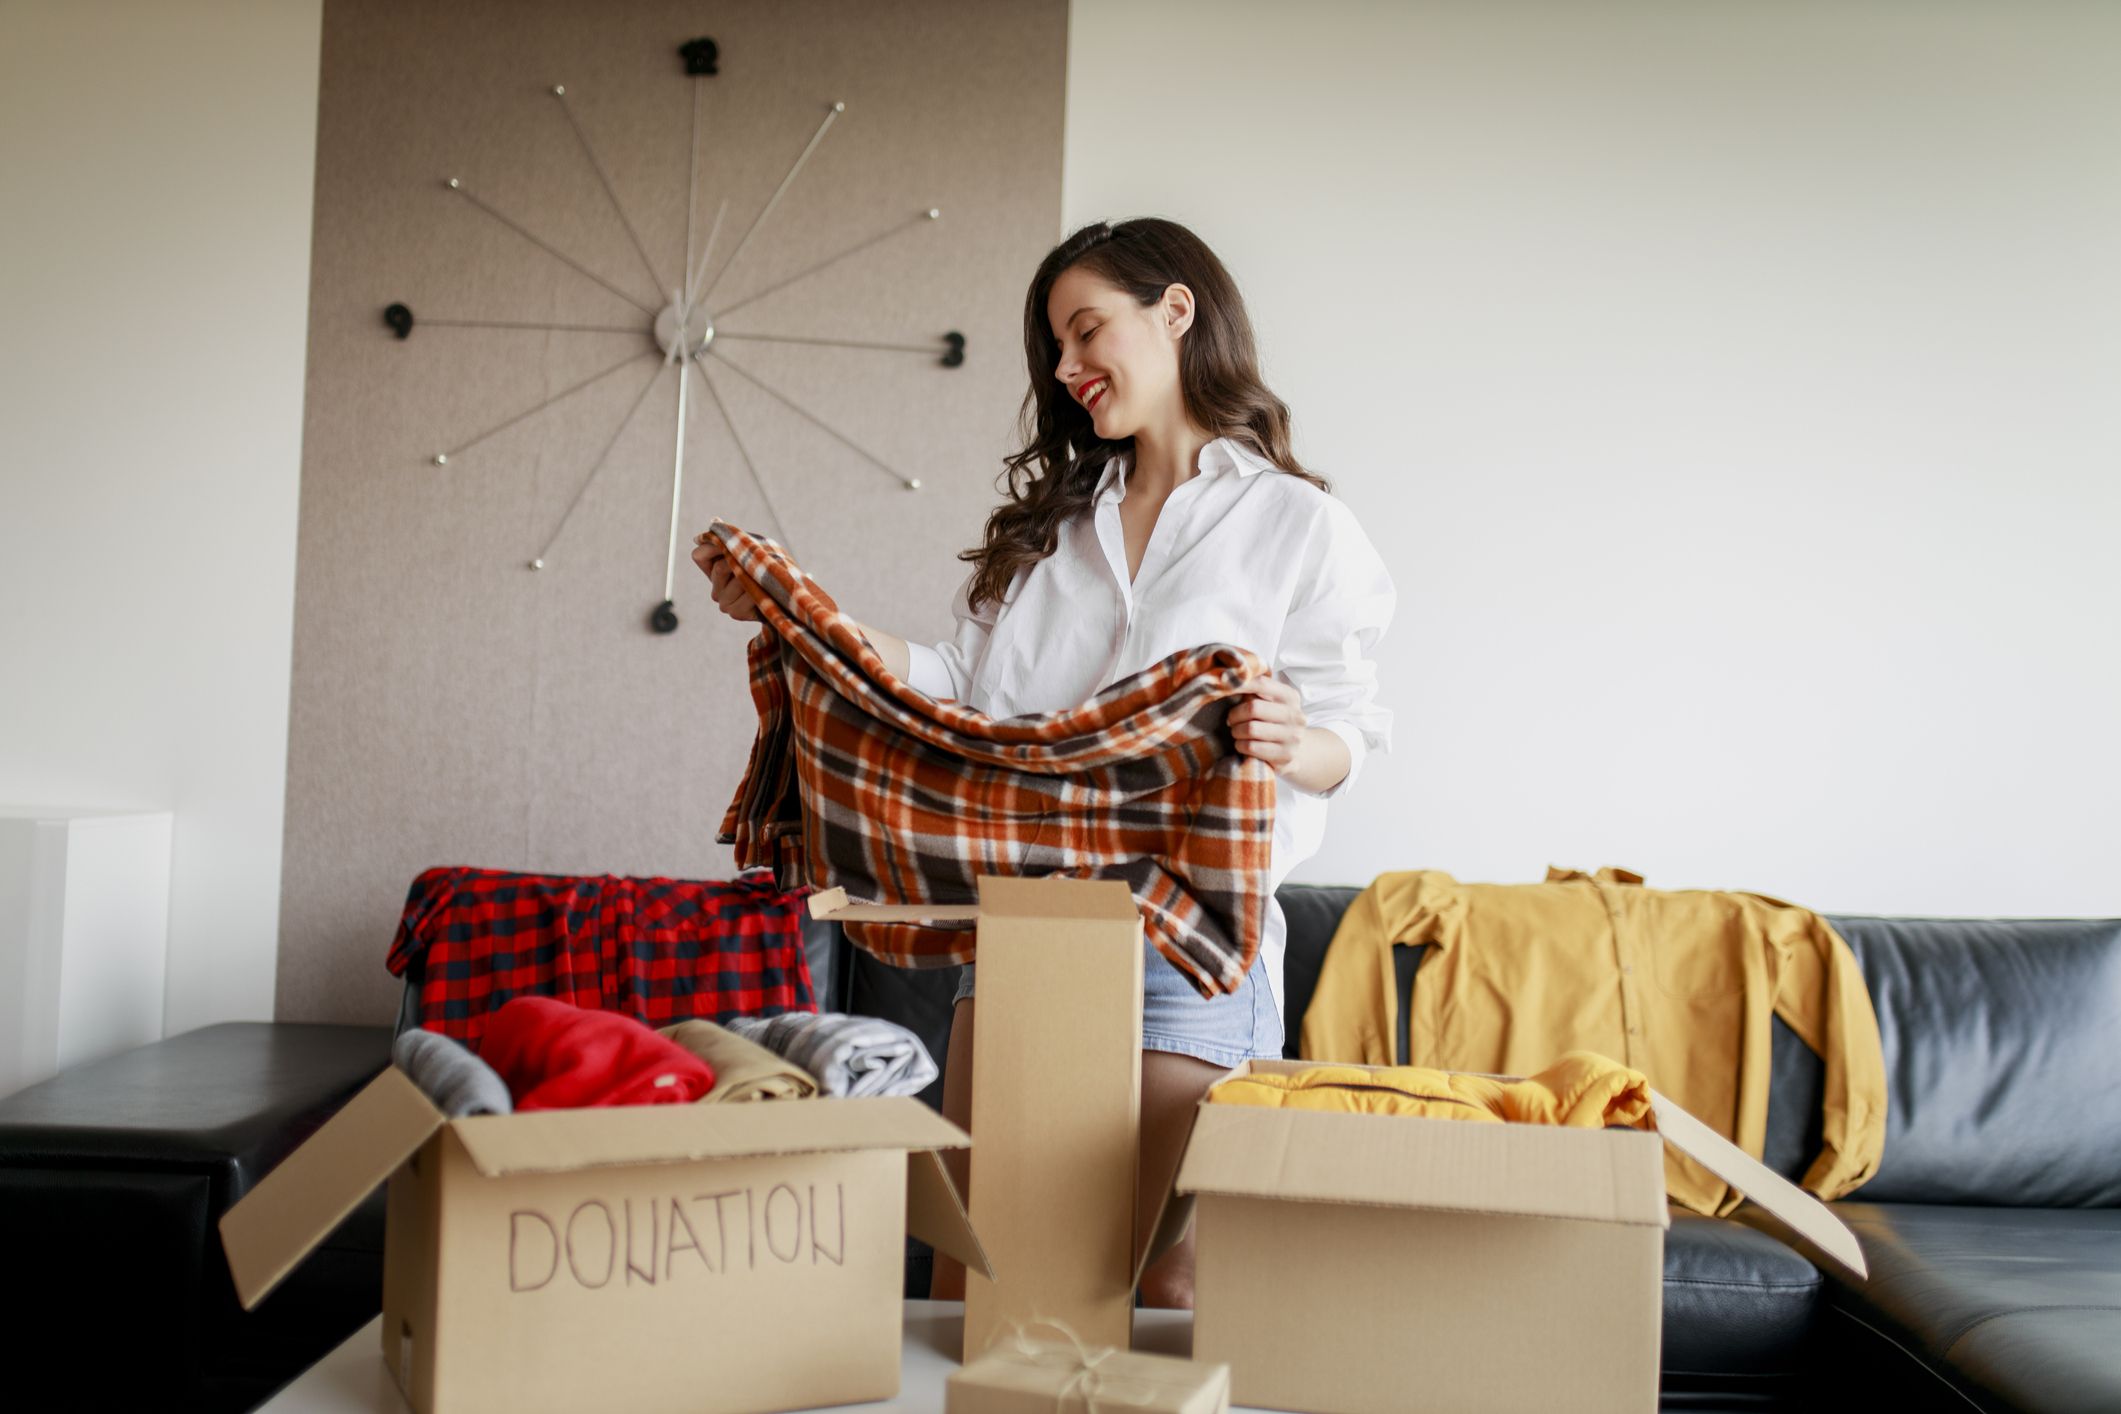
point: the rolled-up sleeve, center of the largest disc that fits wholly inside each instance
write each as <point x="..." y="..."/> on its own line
<point x="1329" y="643"/>
<point x="944" y="670"/>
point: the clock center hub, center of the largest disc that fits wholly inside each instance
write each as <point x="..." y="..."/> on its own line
<point x="688" y="334"/>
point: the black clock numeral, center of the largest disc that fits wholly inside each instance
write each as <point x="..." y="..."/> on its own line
<point x="700" y="56"/>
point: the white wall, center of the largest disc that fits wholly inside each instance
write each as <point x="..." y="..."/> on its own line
<point x="1733" y="391"/>
<point x="156" y="165"/>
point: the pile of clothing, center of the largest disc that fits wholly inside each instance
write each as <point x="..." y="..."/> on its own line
<point x="1581" y="1090"/>
<point x="540" y="1054"/>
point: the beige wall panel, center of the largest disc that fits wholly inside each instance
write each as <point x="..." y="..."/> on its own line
<point x="449" y="705"/>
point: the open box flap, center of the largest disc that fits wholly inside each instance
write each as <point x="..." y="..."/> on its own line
<point x="1000" y="895"/>
<point x="1398" y="1161"/>
<point x="293" y="1208"/>
<point x="1797" y="1209"/>
<point x="561" y="1141"/>
<point x="833" y="906"/>
<point x="936" y="1214"/>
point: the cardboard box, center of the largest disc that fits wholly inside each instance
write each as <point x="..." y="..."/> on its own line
<point x="1379" y="1264"/>
<point x="1038" y="1377"/>
<point x="1056" y="1100"/>
<point x="725" y="1258"/>
<point x="1056" y="1106"/>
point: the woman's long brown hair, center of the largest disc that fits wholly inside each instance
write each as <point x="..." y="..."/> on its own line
<point x="1056" y="473"/>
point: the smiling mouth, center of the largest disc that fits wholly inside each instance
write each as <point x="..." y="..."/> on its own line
<point x="1098" y="393"/>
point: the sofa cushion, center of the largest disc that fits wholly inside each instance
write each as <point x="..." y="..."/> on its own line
<point x="227" y="1102"/>
<point x="2018" y="1308"/>
<point x="1999" y="1037"/>
<point x="1312" y="912"/>
<point x="1737" y="1303"/>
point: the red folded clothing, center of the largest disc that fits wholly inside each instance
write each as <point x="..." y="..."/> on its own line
<point x="557" y="1057"/>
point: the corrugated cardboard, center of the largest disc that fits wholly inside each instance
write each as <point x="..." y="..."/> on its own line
<point x="1370" y="1264"/>
<point x="1056" y="1099"/>
<point x="710" y="1258"/>
<point x="1056" y="1106"/>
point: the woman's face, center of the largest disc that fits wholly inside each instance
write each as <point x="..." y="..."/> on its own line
<point x="1117" y="358"/>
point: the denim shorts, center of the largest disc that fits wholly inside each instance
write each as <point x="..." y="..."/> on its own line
<point x="1219" y="1030"/>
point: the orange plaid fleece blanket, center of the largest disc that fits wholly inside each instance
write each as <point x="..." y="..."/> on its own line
<point x="860" y="781"/>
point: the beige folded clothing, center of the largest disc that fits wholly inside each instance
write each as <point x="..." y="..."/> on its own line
<point x="743" y="1070"/>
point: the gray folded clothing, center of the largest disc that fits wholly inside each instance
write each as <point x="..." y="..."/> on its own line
<point x="455" y="1080"/>
<point x="852" y="1057"/>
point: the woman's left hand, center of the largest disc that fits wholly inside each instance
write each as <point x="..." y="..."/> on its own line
<point x="1270" y="723"/>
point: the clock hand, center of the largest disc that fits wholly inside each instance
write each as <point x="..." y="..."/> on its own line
<point x="774" y="200"/>
<point x="677" y="484"/>
<point x="597" y="466"/>
<point x="743" y="452"/>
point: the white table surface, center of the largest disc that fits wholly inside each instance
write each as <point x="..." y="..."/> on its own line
<point x="354" y="1380"/>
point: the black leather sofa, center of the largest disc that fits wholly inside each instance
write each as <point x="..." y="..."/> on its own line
<point x="1993" y="1228"/>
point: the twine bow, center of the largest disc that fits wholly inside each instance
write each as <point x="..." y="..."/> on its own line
<point x="1085" y="1381"/>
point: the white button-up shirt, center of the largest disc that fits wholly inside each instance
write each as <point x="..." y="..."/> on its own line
<point x="1270" y="563"/>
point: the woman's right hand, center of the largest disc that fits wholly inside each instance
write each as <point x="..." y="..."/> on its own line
<point x="713" y="559"/>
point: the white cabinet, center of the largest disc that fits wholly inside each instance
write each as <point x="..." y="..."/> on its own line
<point x="84" y="936"/>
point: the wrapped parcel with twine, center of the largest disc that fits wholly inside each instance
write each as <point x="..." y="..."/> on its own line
<point x="1026" y="1374"/>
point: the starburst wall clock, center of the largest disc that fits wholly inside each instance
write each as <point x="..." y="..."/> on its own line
<point x="682" y="328"/>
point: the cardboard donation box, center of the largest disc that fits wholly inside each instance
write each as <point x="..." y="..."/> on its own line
<point x="726" y="1258"/>
<point x="1035" y="1376"/>
<point x="1056" y="1100"/>
<point x="1360" y="1264"/>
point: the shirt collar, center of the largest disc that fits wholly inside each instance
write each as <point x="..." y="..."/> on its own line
<point x="1224" y="454"/>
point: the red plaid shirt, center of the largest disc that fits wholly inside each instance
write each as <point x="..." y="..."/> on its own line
<point x="858" y="780"/>
<point x="658" y="950"/>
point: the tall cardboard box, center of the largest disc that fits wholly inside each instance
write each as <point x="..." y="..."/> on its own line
<point x="1056" y="1108"/>
<point x="1379" y="1264"/>
<point x="716" y="1259"/>
<point x="1056" y="1099"/>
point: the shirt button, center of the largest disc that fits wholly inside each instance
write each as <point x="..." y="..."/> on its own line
<point x="1627" y="967"/>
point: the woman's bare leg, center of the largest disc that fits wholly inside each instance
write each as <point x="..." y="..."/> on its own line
<point x="1171" y="1086"/>
<point x="946" y="1281"/>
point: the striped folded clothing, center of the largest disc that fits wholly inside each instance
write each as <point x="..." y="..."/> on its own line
<point x="858" y="780"/>
<point x="851" y="1057"/>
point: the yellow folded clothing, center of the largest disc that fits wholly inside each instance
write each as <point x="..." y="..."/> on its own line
<point x="743" y="1070"/>
<point x="1583" y="1090"/>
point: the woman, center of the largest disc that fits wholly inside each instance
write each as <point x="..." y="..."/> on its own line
<point x="1157" y="506"/>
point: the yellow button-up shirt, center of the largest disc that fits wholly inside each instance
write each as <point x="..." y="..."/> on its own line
<point x="1678" y="984"/>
